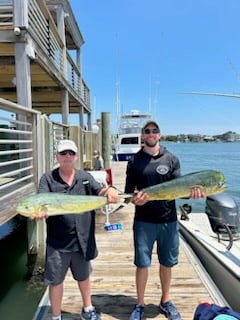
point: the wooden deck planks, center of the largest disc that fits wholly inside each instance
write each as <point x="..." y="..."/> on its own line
<point x="113" y="277"/>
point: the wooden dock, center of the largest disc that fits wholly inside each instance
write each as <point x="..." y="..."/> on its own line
<point x="113" y="277"/>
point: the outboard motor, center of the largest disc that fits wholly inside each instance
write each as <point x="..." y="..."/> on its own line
<point x="224" y="216"/>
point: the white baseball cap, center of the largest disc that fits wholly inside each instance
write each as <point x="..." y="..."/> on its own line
<point x="66" y="145"/>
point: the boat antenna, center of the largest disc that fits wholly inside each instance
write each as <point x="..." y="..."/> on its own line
<point x="118" y="103"/>
<point x="94" y="109"/>
<point x="156" y="97"/>
<point x="234" y="69"/>
<point x="227" y="95"/>
<point x="219" y="94"/>
<point x="150" y="95"/>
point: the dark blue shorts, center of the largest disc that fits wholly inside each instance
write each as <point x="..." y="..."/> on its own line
<point x="166" y="236"/>
<point x="57" y="264"/>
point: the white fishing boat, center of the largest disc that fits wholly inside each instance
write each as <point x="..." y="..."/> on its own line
<point x="129" y="134"/>
<point x="214" y="236"/>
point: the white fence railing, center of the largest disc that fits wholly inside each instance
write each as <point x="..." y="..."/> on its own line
<point x="6" y="12"/>
<point x="18" y="154"/>
<point x="28" y="143"/>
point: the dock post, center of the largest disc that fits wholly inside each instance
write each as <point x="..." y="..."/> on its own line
<point x="36" y="232"/>
<point x="106" y="138"/>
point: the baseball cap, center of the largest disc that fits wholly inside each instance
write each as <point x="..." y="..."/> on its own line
<point x="66" y="145"/>
<point x="151" y="122"/>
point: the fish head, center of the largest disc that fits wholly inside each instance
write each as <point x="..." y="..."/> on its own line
<point x="217" y="182"/>
<point x="27" y="206"/>
<point x="221" y="181"/>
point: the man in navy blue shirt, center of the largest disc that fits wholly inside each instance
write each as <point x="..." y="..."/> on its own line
<point x="154" y="221"/>
<point x="71" y="237"/>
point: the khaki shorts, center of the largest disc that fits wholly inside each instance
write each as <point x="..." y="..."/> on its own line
<point x="57" y="264"/>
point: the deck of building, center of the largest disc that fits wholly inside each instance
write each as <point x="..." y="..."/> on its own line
<point x="113" y="277"/>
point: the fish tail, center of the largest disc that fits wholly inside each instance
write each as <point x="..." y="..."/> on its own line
<point x="126" y="197"/>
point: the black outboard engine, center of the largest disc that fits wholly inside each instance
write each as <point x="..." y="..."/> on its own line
<point x="223" y="215"/>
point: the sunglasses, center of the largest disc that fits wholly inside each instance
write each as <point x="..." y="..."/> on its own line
<point x="148" y="131"/>
<point x="65" y="152"/>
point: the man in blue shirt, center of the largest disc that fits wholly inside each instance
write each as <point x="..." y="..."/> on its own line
<point x="71" y="237"/>
<point x="154" y="221"/>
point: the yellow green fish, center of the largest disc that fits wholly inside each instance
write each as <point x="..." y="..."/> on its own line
<point x="209" y="181"/>
<point x="54" y="203"/>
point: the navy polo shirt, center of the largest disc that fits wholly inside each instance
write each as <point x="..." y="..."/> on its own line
<point x="71" y="232"/>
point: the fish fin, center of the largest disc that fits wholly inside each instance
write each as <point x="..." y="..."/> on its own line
<point x="43" y="208"/>
<point x="127" y="197"/>
<point x="121" y="205"/>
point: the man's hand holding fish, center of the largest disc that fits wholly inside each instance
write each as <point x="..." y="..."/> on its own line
<point x="197" y="193"/>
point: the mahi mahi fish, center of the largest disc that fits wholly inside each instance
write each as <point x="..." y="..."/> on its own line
<point x="209" y="181"/>
<point x="54" y="203"/>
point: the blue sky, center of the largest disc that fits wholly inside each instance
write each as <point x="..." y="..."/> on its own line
<point x="146" y="52"/>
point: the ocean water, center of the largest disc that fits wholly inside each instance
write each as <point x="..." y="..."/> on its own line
<point x="203" y="156"/>
<point x="19" y="297"/>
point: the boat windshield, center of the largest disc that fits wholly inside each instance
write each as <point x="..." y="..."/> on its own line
<point x="130" y="140"/>
<point x="132" y="122"/>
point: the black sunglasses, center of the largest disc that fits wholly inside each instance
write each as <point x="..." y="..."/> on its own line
<point x="65" y="152"/>
<point x="148" y="131"/>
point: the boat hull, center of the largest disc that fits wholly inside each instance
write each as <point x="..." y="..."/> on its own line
<point x="128" y="145"/>
<point x="122" y="156"/>
<point x="222" y="265"/>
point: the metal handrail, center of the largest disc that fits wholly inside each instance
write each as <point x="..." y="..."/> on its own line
<point x="6" y="13"/>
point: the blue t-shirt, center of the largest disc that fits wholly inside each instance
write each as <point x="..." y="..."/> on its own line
<point x="145" y="170"/>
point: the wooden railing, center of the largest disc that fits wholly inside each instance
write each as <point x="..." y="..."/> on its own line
<point x="6" y="12"/>
<point x="43" y="30"/>
<point x="28" y="143"/>
<point x="20" y="163"/>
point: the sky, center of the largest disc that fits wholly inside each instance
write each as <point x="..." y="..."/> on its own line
<point x="142" y="54"/>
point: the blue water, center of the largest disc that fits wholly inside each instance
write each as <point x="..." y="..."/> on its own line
<point x="19" y="297"/>
<point x="203" y="156"/>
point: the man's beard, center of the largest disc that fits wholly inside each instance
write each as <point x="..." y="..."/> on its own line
<point x="151" y="144"/>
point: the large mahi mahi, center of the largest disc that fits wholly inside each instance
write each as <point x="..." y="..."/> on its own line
<point x="209" y="181"/>
<point x="54" y="203"/>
